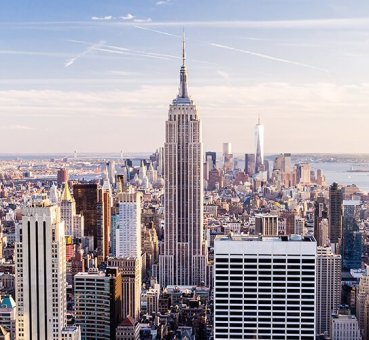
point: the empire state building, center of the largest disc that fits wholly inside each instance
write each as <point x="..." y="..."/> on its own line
<point x="183" y="261"/>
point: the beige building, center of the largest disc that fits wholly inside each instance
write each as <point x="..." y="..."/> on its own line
<point x="130" y="269"/>
<point x="362" y="301"/>
<point x="128" y="330"/>
<point x="184" y="259"/>
<point x="328" y="293"/>
<point x="40" y="272"/>
<point x="345" y="326"/>
<point x="266" y="224"/>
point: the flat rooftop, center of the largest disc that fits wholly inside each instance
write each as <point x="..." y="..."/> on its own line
<point x="260" y="238"/>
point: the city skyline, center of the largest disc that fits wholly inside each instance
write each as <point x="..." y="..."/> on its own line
<point x="110" y="70"/>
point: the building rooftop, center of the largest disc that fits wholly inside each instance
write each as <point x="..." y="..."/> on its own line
<point x="260" y="238"/>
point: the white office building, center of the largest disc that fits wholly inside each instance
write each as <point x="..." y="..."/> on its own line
<point x="264" y="287"/>
<point x="128" y="233"/>
<point x="40" y="273"/>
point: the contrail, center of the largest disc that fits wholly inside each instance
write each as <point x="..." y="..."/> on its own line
<point x="256" y="54"/>
<point x="156" y="31"/>
<point x="269" y="57"/>
<point x="132" y="53"/>
<point x="71" y="61"/>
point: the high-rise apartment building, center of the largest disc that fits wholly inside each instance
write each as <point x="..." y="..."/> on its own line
<point x="264" y="287"/>
<point x="328" y="289"/>
<point x="184" y="257"/>
<point x="98" y="298"/>
<point x="128" y="232"/>
<point x="335" y="213"/>
<point x="40" y="273"/>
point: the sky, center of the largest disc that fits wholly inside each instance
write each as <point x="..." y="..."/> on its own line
<point x="99" y="75"/>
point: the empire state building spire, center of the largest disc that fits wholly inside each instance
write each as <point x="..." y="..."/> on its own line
<point x="183" y="257"/>
<point x="183" y="92"/>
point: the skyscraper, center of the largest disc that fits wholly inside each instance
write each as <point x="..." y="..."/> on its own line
<point x="183" y="260"/>
<point x="227" y="157"/>
<point x="249" y="163"/>
<point x="328" y="292"/>
<point x="259" y="143"/>
<point x="352" y="240"/>
<point x="264" y="287"/>
<point x="130" y="270"/>
<point x="335" y="213"/>
<point x="107" y="201"/>
<point x="86" y="196"/>
<point x="41" y="273"/>
<point x="128" y="233"/>
<point x="62" y="176"/>
<point x="67" y="210"/>
<point x="98" y="299"/>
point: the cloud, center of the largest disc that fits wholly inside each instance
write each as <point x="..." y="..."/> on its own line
<point x="162" y="2"/>
<point x="226" y="110"/>
<point x="224" y="75"/>
<point x="16" y="127"/>
<point x="305" y="24"/>
<point x="105" y="18"/>
<point x="269" y="57"/>
<point x="91" y="48"/>
<point x="129" y="16"/>
<point x="147" y="20"/>
<point x="34" y="53"/>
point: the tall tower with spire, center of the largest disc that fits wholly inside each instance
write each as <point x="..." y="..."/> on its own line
<point x="184" y="257"/>
<point x="259" y="143"/>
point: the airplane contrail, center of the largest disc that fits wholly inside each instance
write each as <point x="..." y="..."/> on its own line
<point x="266" y="56"/>
<point x="156" y="31"/>
<point x="256" y="54"/>
<point x="71" y="61"/>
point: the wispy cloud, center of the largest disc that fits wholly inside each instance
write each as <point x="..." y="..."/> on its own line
<point x="326" y="24"/>
<point x="105" y="18"/>
<point x="34" y="53"/>
<point x="129" y="16"/>
<point x="146" y="20"/>
<point x="162" y="2"/>
<point x="269" y="57"/>
<point x="16" y="127"/>
<point x="91" y="48"/>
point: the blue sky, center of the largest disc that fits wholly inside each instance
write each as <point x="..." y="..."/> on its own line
<point x="99" y="75"/>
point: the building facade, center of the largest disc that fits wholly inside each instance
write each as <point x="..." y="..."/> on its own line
<point x="264" y="287"/>
<point x="98" y="298"/>
<point x="41" y="273"/>
<point x="184" y="258"/>
<point x="328" y="292"/>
